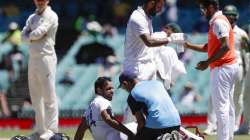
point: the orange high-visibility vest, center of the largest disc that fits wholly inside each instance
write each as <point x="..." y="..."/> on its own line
<point x="214" y="45"/>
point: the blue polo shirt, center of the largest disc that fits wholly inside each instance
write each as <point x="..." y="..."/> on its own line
<point x="152" y="98"/>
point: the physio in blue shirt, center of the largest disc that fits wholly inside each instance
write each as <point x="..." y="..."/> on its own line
<point x="152" y="107"/>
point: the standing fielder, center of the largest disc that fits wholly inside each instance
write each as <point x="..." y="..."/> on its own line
<point x="40" y="31"/>
<point x="240" y="43"/>
<point x="138" y="56"/>
<point x="222" y="62"/>
<point x="245" y="126"/>
<point x="138" y="42"/>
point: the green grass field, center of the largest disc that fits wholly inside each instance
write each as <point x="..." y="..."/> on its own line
<point x="6" y="134"/>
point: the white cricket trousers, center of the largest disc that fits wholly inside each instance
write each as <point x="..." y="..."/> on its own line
<point x="237" y="102"/>
<point x="41" y="75"/>
<point x="238" y="96"/>
<point x="246" y="99"/>
<point x="222" y="81"/>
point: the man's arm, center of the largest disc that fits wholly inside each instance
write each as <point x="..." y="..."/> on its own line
<point x="41" y="30"/>
<point x="199" y="48"/>
<point x="222" y="51"/>
<point x="153" y="42"/>
<point x="81" y="129"/>
<point x="140" y="120"/>
<point x="156" y="42"/>
<point x="110" y="120"/>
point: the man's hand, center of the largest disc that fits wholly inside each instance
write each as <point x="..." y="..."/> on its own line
<point x="202" y="65"/>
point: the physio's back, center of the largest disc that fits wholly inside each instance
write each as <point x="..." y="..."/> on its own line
<point x="161" y="112"/>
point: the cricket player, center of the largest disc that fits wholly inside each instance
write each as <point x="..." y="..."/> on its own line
<point x="240" y="43"/>
<point x="138" y="58"/>
<point x="223" y="65"/>
<point x="99" y="117"/>
<point x="155" y="113"/>
<point x="138" y="40"/>
<point x="40" y="31"/>
<point x="245" y="126"/>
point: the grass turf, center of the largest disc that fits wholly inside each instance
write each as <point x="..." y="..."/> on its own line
<point x="6" y="134"/>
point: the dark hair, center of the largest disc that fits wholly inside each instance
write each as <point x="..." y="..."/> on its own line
<point x="206" y="3"/>
<point x="126" y="76"/>
<point x="146" y="1"/>
<point x="100" y="82"/>
<point x="174" y="27"/>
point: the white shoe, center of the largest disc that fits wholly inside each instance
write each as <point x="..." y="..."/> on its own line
<point x="47" y="135"/>
<point x="210" y="131"/>
<point x="34" y="136"/>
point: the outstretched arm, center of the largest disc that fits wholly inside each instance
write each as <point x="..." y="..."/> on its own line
<point x="111" y="121"/>
<point x="81" y="129"/>
<point x="153" y="42"/>
<point x="199" y="48"/>
<point x="156" y="42"/>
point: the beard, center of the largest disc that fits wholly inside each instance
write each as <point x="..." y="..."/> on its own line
<point x="153" y="11"/>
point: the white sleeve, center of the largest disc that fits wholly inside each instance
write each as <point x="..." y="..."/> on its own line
<point x="25" y="31"/>
<point x="41" y="30"/>
<point x="140" y="26"/>
<point x="103" y="104"/>
<point x="221" y="28"/>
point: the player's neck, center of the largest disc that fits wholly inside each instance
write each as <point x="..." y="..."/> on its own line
<point x="41" y="10"/>
<point x="233" y="25"/>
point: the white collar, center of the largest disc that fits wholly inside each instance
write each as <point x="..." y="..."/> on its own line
<point x="141" y="10"/>
<point x="218" y="13"/>
<point x="47" y="8"/>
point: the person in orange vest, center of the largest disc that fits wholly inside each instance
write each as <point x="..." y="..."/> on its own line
<point x="223" y="66"/>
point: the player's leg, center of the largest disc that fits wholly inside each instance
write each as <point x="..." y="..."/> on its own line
<point x="211" y="122"/>
<point x="47" y="77"/>
<point x="232" y="113"/>
<point x="237" y="94"/>
<point x="36" y="97"/>
<point x="246" y="105"/>
<point x="221" y="87"/>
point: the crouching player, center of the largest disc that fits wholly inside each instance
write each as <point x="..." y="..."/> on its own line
<point x="151" y="105"/>
<point x="154" y="110"/>
<point x="98" y="117"/>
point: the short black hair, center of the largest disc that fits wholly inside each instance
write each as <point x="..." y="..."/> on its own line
<point x="101" y="82"/>
<point x="146" y="1"/>
<point x="206" y="3"/>
<point x="126" y="76"/>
